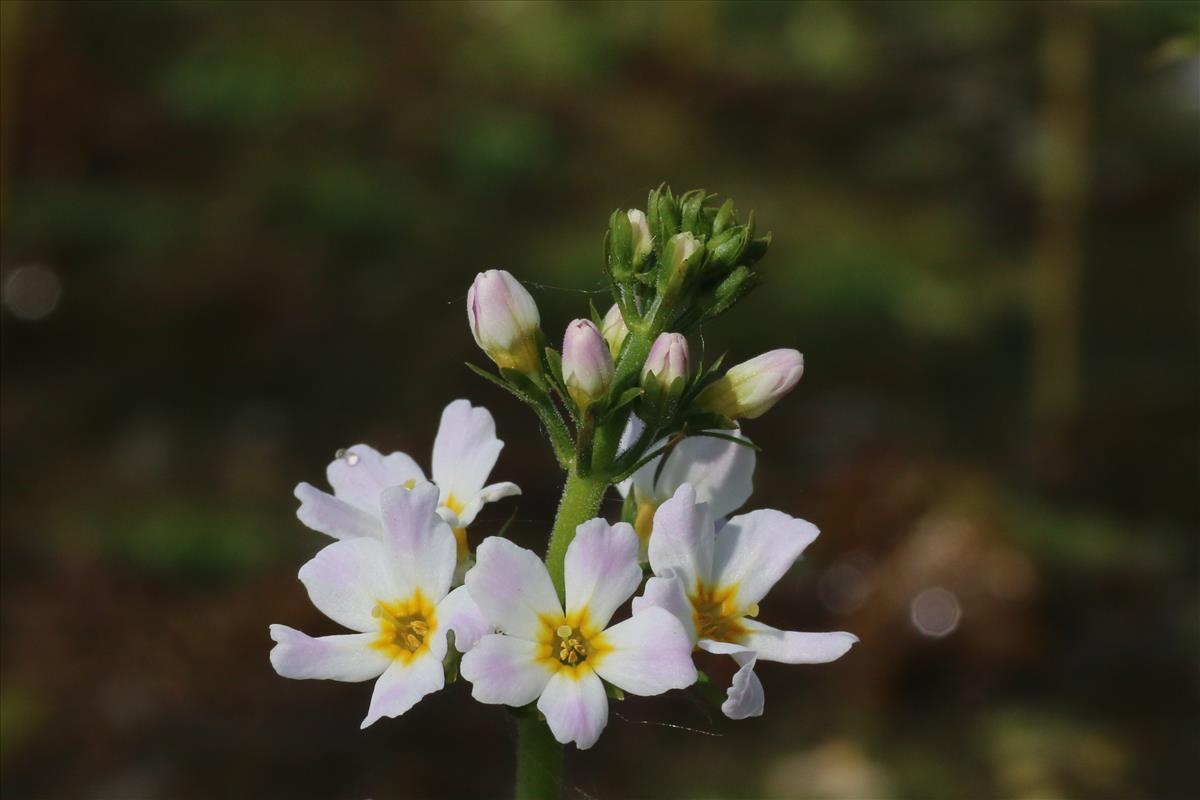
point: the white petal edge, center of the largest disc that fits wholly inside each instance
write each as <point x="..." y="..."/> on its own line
<point x="666" y="591"/>
<point x="422" y="546"/>
<point x="576" y="708"/>
<point x="512" y="588"/>
<point x="458" y="613"/>
<point x="505" y="670"/>
<point x="361" y="473"/>
<point x="326" y="514"/>
<point x="345" y="657"/>
<point x="720" y="471"/>
<point x="753" y="551"/>
<point x="601" y="569"/>
<point x="683" y="539"/>
<point x="651" y="654"/>
<point x="488" y="494"/>
<point x="464" y="451"/>
<point x="346" y="579"/>
<point x="796" y="647"/>
<point x="745" y="697"/>
<point x="402" y="686"/>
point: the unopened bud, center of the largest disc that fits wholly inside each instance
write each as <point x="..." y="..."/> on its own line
<point x="749" y="389"/>
<point x="504" y="321"/>
<point x="663" y="376"/>
<point x="587" y="364"/>
<point x="684" y="251"/>
<point x="643" y="241"/>
<point x="614" y="330"/>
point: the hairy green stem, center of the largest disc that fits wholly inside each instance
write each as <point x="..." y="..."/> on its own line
<point x="580" y="502"/>
<point x="539" y="761"/>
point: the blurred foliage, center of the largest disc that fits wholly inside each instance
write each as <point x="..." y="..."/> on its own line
<point x="254" y="227"/>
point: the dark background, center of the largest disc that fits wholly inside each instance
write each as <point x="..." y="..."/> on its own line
<point x="239" y="237"/>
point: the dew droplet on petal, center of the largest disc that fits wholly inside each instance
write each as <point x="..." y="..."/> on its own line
<point x="341" y="453"/>
<point x="352" y="458"/>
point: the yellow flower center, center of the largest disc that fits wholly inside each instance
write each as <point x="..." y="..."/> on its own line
<point x="570" y="643"/>
<point x="404" y="626"/>
<point x="460" y="534"/>
<point x="716" y="614"/>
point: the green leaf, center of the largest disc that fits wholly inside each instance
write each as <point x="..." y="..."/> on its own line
<point x="554" y="365"/>
<point x="613" y="692"/>
<point x="487" y="376"/>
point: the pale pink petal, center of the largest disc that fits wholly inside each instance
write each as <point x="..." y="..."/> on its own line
<point x="683" y="538"/>
<point x="745" y="697"/>
<point x="754" y="551"/>
<point x="576" y="707"/>
<point x="601" y="569"/>
<point x="422" y="547"/>
<point x="720" y="471"/>
<point x="345" y="657"/>
<point x="488" y="494"/>
<point x="333" y="517"/>
<point x="402" y="685"/>
<point x="346" y="579"/>
<point x="795" y="647"/>
<point x="464" y="452"/>
<point x="666" y="591"/>
<point x="642" y="481"/>
<point x="360" y="473"/>
<point x="505" y="669"/>
<point x="651" y="653"/>
<point x="458" y="613"/>
<point x="512" y="588"/>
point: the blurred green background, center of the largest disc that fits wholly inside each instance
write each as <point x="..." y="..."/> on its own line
<point x="237" y="237"/>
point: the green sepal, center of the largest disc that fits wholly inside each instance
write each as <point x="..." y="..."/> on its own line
<point x="755" y="250"/>
<point x="554" y="366"/>
<point x="629" y="508"/>
<point x="662" y="216"/>
<point x="513" y="390"/>
<point x="618" y="247"/>
<point x="691" y="211"/>
<point x="709" y="690"/>
<point x="627" y="397"/>
<point x="450" y="664"/>
<point x="726" y="217"/>
<point x="597" y="319"/>
<point x="727" y="437"/>
<point x="614" y="692"/>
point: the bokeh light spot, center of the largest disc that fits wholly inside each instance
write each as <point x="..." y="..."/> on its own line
<point x="935" y="612"/>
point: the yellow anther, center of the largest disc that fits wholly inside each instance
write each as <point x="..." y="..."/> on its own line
<point x="752" y="611"/>
<point x="563" y="631"/>
<point x="413" y="641"/>
<point x="420" y="628"/>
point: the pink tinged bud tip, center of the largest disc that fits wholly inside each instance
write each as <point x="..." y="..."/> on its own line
<point x="668" y="359"/>
<point x="504" y="320"/>
<point x="587" y="363"/>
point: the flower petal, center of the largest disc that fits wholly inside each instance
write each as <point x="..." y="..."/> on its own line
<point x="754" y="551"/>
<point x="346" y="657"/>
<point x="422" y="547"/>
<point x="505" y="669"/>
<point x="361" y="473"/>
<point x="576" y="707"/>
<point x="745" y="696"/>
<point x="346" y="579"/>
<point x="325" y="513"/>
<point x="601" y="569"/>
<point x="720" y="471"/>
<point x="666" y="591"/>
<point x="458" y="613"/>
<point x="683" y="538"/>
<point x="402" y="685"/>
<point x="512" y="588"/>
<point x="642" y="481"/>
<point x="651" y="653"/>
<point x="488" y="494"/>
<point x="464" y="452"/>
<point x="795" y="647"/>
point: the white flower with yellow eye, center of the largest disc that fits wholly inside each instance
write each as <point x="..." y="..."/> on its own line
<point x="394" y="591"/>
<point x="720" y="471"/>
<point x="559" y="657"/>
<point x="713" y="581"/>
<point x="464" y="452"/>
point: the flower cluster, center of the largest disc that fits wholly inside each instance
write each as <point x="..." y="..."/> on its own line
<point x="626" y="404"/>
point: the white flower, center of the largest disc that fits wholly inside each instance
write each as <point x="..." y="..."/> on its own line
<point x="712" y="582"/>
<point x="464" y="452"/>
<point x="559" y="658"/>
<point x="719" y="471"/>
<point x="391" y="589"/>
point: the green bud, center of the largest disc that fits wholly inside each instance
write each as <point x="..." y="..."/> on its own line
<point x="691" y="211"/>
<point x="662" y="214"/>
<point x="726" y="218"/>
<point x="682" y="258"/>
<point x="618" y="247"/>
<point x="725" y="249"/>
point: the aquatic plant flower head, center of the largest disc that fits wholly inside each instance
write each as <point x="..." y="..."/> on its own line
<point x="394" y="592"/>
<point x="713" y="582"/>
<point x="630" y="401"/>
<point x="561" y="656"/>
<point x="464" y="452"/>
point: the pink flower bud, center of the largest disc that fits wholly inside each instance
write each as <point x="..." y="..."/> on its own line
<point x="668" y="359"/>
<point x="749" y="389"/>
<point x="587" y="364"/>
<point x="504" y="321"/>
